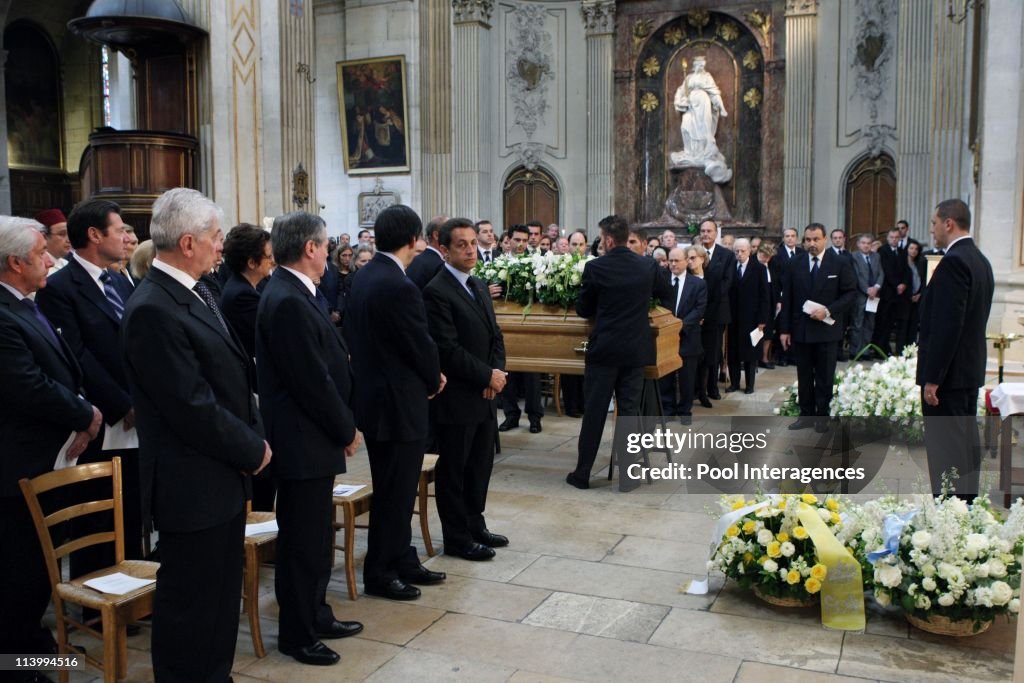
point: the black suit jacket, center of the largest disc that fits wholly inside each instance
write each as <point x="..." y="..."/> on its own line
<point x="897" y="272"/>
<point x="40" y="404"/>
<point x="469" y="345"/>
<point x="330" y="286"/>
<point x="424" y="267"/>
<point x="302" y="365"/>
<point x="692" y="305"/>
<point x="394" y="358"/>
<point x="750" y="300"/>
<point x="954" y="313"/>
<point x="835" y="288"/>
<point x="200" y="432"/>
<point x="74" y="303"/>
<point x="719" y="275"/>
<point x="783" y="257"/>
<point x="239" y="303"/>
<point x="616" y="291"/>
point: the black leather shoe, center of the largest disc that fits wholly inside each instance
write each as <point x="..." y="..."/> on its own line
<point x="485" y="537"/>
<point x="579" y="483"/>
<point x="729" y="390"/>
<point x="535" y="427"/>
<point x="766" y="366"/>
<point x="509" y="423"/>
<point x="716" y="396"/>
<point x="338" y="629"/>
<point x="782" y="363"/>
<point x="423" y="577"/>
<point x="316" y="654"/>
<point x="473" y="553"/>
<point x="574" y="413"/>
<point x="802" y="423"/>
<point x="706" y="403"/>
<point x="396" y="589"/>
<point x="748" y="390"/>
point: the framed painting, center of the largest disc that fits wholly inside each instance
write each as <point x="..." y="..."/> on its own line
<point x="33" y="91"/>
<point x="374" y="112"/>
<point x="371" y="204"/>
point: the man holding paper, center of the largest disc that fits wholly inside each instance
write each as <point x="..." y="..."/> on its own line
<point x="867" y="266"/>
<point x="819" y="288"/>
<point x="750" y="308"/>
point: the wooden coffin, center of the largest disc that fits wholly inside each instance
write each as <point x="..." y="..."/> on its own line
<point x="548" y="340"/>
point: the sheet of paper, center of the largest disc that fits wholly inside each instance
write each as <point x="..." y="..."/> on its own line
<point x="117" y="583"/>
<point x="347" y="489"/>
<point x="115" y="438"/>
<point x="261" y="528"/>
<point x="871" y="305"/>
<point x="62" y="461"/>
<point x="755" y="336"/>
<point x="812" y="306"/>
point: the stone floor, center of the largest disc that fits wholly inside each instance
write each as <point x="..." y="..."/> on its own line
<point x="589" y="590"/>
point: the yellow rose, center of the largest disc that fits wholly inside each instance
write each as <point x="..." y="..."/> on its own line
<point x="800" y="533"/>
<point x="819" y="572"/>
<point x="783" y="537"/>
<point x="812" y="585"/>
<point x="834" y="518"/>
<point x="748" y="557"/>
<point x="749" y="526"/>
<point x="832" y="505"/>
<point x="762" y="559"/>
<point x="793" y="577"/>
<point x="737" y="504"/>
<point x="774" y="549"/>
<point x="732" y="531"/>
<point x="782" y="504"/>
<point x="809" y="498"/>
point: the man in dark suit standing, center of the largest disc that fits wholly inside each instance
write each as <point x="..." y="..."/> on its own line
<point x="718" y="275"/>
<point x="86" y="302"/>
<point x="789" y="250"/>
<point x="750" y="304"/>
<point x="40" y="407"/>
<point x="397" y="372"/>
<point x="688" y="301"/>
<point x="616" y="292"/>
<point x="951" y="361"/>
<point x="425" y="266"/>
<point x="867" y="266"/>
<point x="303" y="369"/>
<point x="825" y="279"/>
<point x="527" y="383"/>
<point x="200" y="436"/>
<point x="472" y="353"/>
<point x="894" y="304"/>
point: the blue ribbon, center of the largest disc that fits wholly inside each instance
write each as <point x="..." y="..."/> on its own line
<point x="892" y="528"/>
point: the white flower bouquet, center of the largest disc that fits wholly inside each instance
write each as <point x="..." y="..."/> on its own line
<point x="552" y="279"/>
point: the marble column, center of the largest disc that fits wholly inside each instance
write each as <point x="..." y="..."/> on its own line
<point x="801" y="50"/>
<point x="950" y="90"/>
<point x="913" y="115"/>
<point x="298" y="65"/>
<point x="5" y="172"/>
<point x="436" y="106"/>
<point x="599" y="24"/>
<point x="471" y="52"/>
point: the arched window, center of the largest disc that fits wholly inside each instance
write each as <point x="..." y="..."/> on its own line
<point x="530" y="195"/>
<point x="871" y="195"/>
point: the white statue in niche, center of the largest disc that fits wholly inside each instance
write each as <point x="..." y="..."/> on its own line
<point x="700" y="102"/>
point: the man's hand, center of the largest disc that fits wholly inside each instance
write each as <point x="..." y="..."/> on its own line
<point x="931" y="394"/>
<point x="97" y="420"/>
<point x="444" y="380"/>
<point x="498" y="380"/>
<point x="900" y="289"/>
<point x="873" y="292"/>
<point x="350" y="449"/>
<point x="495" y="291"/>
<point x="78" y="445"/>
<point x="785" y="339"/>
<point x="489" y="393"/>
<point x="335" y="317"/>
<point x="915" y="298"/>
<point x="819" y="314"/>
<point x="129" y="419"/>
<point x="761" y="327"/>
<point x="267" y="454"/>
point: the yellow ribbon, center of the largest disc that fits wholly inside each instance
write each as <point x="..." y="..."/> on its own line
<point x="842" y="591"/>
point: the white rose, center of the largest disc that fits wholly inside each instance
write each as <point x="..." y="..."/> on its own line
<point x="923" y="602"/>
<point x="996" y="568"/>
<point x="771" y="566"/>
<point x="946" y="600"/>
<point x="888" y="576"/>
<point x="921" y="539"/>
<point x="765" y="536"/>
<point x="1001" y="593"/>
<point x="928" y="584"/>
<point x="928" y="569"/>
<point x="883" y="598"/>
<point x="976" y="543"/>
<point x="787" y="549"/>
<point x="983" y="596"/>
<point x="783" y="572"/>
<point x="982" y="570"/>
<point x="1014" y="605"/>
<point x="825" y="514"/>
<point x="958" y="505"/>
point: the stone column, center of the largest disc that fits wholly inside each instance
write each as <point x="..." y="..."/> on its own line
<point x="913" y="114"/>
<point x="471" y="50"/>
<point x="599" y="23"/>
<point x="436" y="106"/>
<point x="5" y="171"/>
<point x="298" y="66"/>
<point x="950" y="89"/>
<point x="801" y="55"/>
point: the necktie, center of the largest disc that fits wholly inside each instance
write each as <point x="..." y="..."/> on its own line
<point x="115" y="300"/>
<point x="206" y="295"/>
<point x="487" y="255"/>
<point x="739" y="270"/>
<point x="814" y="268"/>
<point x="321" y="302"/>
<point x="42" y="320"/>
<point x="871" y="271"/>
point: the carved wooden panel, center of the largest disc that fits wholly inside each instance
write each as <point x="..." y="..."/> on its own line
<point x="35" y="190"/>
<point x="530" y="195"/>
<point x="871" y="196"/>
<point x="164" y="98"/>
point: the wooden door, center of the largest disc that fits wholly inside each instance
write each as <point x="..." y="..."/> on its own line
<point x="530" y="196"/>
<point x="871" y="196"/>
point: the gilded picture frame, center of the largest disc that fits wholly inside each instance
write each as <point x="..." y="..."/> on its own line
<point x="373" y="107"/>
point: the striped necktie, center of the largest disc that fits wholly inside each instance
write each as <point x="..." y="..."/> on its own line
<point x="115" y="300"/>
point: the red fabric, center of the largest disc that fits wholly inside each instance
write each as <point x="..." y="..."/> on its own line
<point x="51" y="217"/>
<point x="989" y="408"/>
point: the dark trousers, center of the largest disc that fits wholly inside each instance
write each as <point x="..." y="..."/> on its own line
<point x="395" y="470"/>
<point x="530" y="384"/>
<point x="463" y="475"/>
<point x="24" y="583"/>
<point x="951" y="439"/>
<point x="195" y="609"/>
<point x="599" y="383"/>
<point x="711" y="341"/>
<point x="572" y="394"/>
<point x="677" y="388"/>
<point x="303" y="565"/>
<point x="891" y="317"/>
<point x="264" y="490"/>
<point x="815" y="371"/>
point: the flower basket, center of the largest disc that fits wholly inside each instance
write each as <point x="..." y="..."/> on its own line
<point x="809" y="601"/>
<point x="944" y="626"/>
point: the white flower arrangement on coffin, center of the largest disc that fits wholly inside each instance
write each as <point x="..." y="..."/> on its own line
<point x="551" y="279"/>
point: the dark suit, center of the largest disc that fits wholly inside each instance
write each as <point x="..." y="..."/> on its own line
<point x="200" y="433"/>
<point x="750" y="302"/>
<point x="470" y="346"/>
<point x="954" y="313"/>
<point x="862" y="324"/>
<point x="815" y="343"/>
<point x="894" y="307"/>
<point x="238" y="303"/>
<point x="692" y="305"/>
<point x="920" y="267"/>
<point x="616" y="292"/>
<point x="302" y="365"/>
<point x="90" y="325"/>
<point x="781" y="261"/>
<point x="330" y="286"/>
<point x="396" y="369"/>
<point x="424" y="267"/>
<point x="718" y="275"/>
<point x="39" y="408"/>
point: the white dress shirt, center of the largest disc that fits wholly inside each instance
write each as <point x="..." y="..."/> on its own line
<point x="304" y="279"/>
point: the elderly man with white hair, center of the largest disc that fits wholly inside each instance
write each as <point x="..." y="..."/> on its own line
<point x="200" y="438"/>
<point x="750" y="308"/>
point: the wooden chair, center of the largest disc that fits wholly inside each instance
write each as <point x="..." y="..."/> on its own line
<point x="116" y="611"/>
<point x="258" y="550"/>
<point x="352" y="506"/>
<point x="427" y="476"/>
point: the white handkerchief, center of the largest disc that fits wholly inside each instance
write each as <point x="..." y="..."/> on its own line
<point x="755" y="336"/>
<point x="115" y="438"/>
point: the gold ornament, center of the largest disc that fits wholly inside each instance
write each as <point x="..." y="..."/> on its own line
<point x="728" y="31"/>
<point x="651" y="66"/>
<point x="698" y="18"/>
<point x="674" y="36"/>
<point x="641" y="29"/>
<point x="752" y="98"/>
<point x="751" y="60"/>
<point x="648" y="102"/>
<point x="762" y="21"/>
